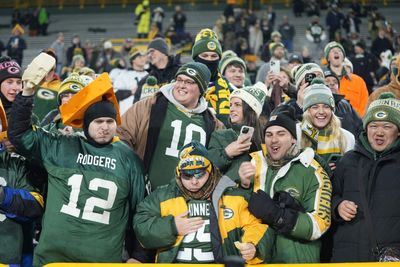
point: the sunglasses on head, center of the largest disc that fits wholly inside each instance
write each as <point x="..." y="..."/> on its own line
<point x="197" y="174"/>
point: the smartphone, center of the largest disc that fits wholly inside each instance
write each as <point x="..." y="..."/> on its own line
<point x="334" y="158"/>
<point x="246" y="130"/>
<point x="275" y="66"/>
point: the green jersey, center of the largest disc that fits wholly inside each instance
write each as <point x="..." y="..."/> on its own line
<point x="196" y="247"/>
<point x="13" y="174"/>
<point x="178" y="129"/>
<point x="90" y="193"/>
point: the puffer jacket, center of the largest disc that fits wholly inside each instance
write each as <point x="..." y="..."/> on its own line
<point x="380" y="176"/>
<point x="306" y="181"/>
<point x="155" y="228"/>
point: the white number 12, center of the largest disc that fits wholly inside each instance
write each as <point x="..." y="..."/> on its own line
<point x="75" y="182"/>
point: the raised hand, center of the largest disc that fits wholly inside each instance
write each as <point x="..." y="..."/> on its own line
<point x="246" y="172"/>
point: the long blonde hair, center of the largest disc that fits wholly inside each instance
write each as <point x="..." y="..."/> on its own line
<point x="334" y="125"/>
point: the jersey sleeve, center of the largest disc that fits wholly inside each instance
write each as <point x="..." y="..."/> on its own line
<point x="260" y="235"/>
<point x="151" y="229"/>
<point x="19" y="200"/>
<point x="316" y="220"/>
<point x="30" y="141"/>
<point x="217" y="154"/>
<point x="137" y="183"/>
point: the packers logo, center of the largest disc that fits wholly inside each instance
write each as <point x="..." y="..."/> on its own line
<point x="191" y="72"/>
<point x="380" y="115"/>
<point x="211" y="46"/>
<point x="74" y="87"/>
<point x="228" y="213"/>
<point x="45" y="94"/>
<point x="293" y="192"/>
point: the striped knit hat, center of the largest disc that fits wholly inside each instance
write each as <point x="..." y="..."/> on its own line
<point x="305" y="69"/>
<point x="318" y="93"/>
<point x="385" y="108"/>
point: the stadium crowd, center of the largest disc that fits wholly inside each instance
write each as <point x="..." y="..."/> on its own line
<point x="250" y="149"/>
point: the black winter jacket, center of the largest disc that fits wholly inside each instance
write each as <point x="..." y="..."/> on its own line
<point x="381" y="177"/>
<point x="163" y="76"/>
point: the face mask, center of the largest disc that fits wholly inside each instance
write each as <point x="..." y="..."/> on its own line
<point x="212" y="66"/>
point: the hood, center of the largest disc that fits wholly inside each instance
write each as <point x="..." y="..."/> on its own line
<point x="166" y="90"/>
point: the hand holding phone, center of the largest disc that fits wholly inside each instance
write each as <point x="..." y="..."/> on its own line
<point x="246" y="132"/>
<point x="275" y="66"/>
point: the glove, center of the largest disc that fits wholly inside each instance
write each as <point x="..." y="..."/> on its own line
<point x="263" y="207"/>
<point x="285" y="200"/>
<point x="37" y="70"/>
<point x="281" y="219"/>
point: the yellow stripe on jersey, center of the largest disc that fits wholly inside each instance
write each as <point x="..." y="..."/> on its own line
<point x="321" y="216"/>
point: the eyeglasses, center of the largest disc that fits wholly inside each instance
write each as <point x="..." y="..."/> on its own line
<point x="197" y="175"/>
<point x="185" y="82"/>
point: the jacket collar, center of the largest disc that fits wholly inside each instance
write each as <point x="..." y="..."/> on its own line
<point x="222" y="185"/>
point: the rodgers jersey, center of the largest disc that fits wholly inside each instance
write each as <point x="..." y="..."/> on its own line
<point x="178" y="129"/>
<point x="90" y="192"/>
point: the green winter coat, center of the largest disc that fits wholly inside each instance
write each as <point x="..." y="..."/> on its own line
<point x="220" y="139"/>
<point x="306" y="181"/>
<point x="155" y="228"/>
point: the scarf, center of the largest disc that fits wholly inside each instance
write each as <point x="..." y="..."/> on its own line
<point x="292" y="152"/>
<point x="205" y="191"/>
<point x="322" y="141"/>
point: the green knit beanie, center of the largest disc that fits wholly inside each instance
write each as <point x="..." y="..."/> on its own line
<point x="332" y="45"/>
<point x="318" y="93"/>
<point x="385" y="108"/>
<point x="198" y="72"/>
<point x="228" y="60"/>
<point x="206" y="41"/>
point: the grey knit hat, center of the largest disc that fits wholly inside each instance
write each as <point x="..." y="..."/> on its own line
<point x="318" y="93"/>
<point x="305" y="69"/>
<point x="159" y="44"/>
